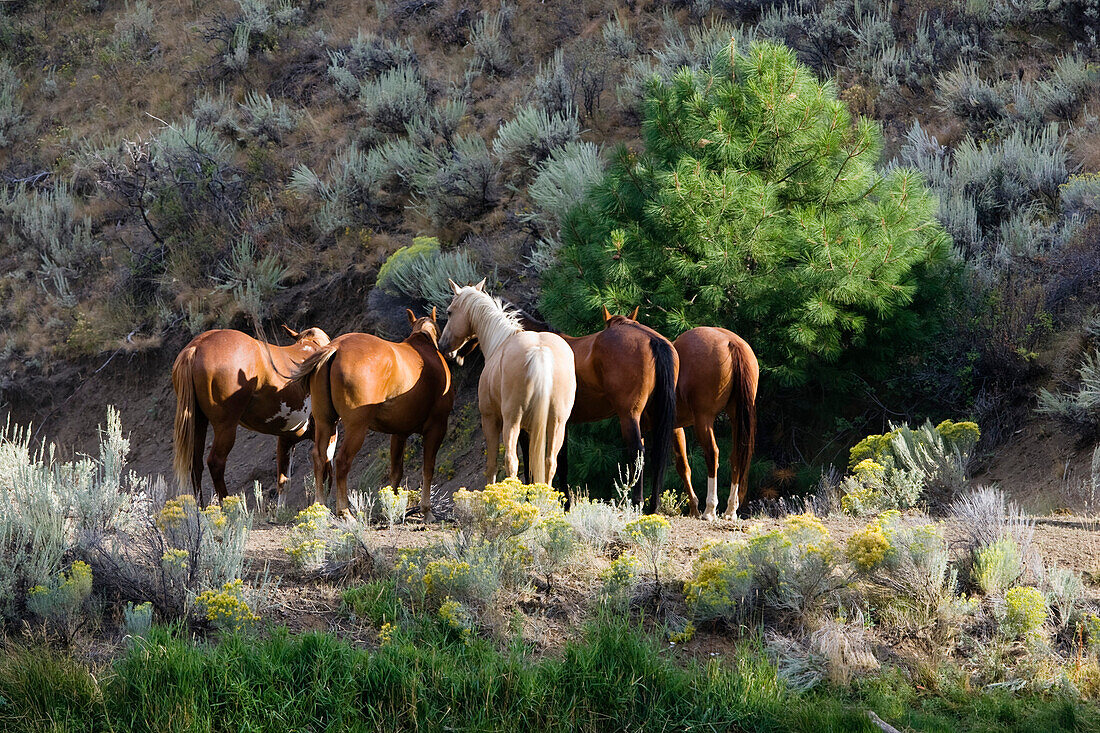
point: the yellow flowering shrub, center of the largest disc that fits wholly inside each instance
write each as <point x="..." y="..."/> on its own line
<point x="1092" y="632"/>
<point x="226" y="608"/>
<point x="997" y="566"/>
<point x="317" y="537"/>
<point x="457" y="618"/>
<point x="1025" y="612"/>
<point x="867" y="548"/>
<point x="684" y="635"/>
<point x="385" y="634"/>
<point x="60" y="601"/>
<point x="873" y="448"/>
<point x="649" y="533"/>
<point x="505" y="509"/>
<point x="619" y="580"/>
<point x="393" y="503"/>
<point x="790" y="569"/>
<point x="963" y="435"/>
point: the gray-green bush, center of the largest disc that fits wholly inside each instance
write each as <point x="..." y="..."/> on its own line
<point x="459" y="183"/>
<point x="532" y="136"/>
<point x="265" y="119"/>
<point x="394" y="98"/>
<point x="11" y="106"/>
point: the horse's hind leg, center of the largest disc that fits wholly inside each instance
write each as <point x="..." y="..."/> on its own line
<point x="225" y="435"/>
<point x="631" y="427"/>
<point x="679" y="452"/>
<point x="433" y="438"/>
<point x="704" y="431"/>
<point x="282" y="468"/>
<point x="511" y="455"/>
<point x="324" y="444"/>
<point x="353" y="440"/>
<point x="197" y="449"/>
<point x="397" y="460"/>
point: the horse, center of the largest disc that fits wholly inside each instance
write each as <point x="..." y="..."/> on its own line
<point x="373" y="384"/>
<point x="718" y="373"/>
<point x="528" y="382"/>
<point x="226" y="378"/>
<point x="629" y="371"/>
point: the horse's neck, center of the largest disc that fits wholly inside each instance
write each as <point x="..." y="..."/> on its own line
<point x="424" y="344"/>
<point x="493" y="328"/>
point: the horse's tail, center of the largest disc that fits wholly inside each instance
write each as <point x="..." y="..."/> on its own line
<point x="183" y="438"/>
<point x="662" y="411"/>
<point x="746" y="374"/>
<point x="539" y="371"/>
<point x="312" y="363"/>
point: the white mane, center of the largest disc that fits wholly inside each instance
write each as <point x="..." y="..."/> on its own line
<point x="492" y="321"/>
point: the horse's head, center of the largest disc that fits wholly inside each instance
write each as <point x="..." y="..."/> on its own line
<point x="610" y="320"/>
<point x="313" y="336"/>
<point x="459" y="328"/>
<point x="426" y="325"/>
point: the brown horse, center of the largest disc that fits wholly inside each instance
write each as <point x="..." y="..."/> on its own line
<point x="373" y="384"/>
<point x="718" y="373"/>
<point x="628" y="371"/>
<point x="226" y="378"/>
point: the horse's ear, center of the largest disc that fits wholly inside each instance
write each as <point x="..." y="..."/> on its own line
<point x="291" y="331"/>
<point x="634" y="315"/>
<point x="606" y="314"/>
<point x="433" y="314"/>
<point x="412" y="316"/>
<point x="480" y="286"/>
<point x="454" y="288"/>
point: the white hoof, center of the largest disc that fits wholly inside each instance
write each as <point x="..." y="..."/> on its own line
<point x="710" y="514"/>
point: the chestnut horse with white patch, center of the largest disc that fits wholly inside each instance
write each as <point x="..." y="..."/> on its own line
<point x="373" y="384"/>
<point x="226" y="378"/>
<point x="718" y="373"/>
<point x="528" y="382"/>
<point x="628" y="371"/>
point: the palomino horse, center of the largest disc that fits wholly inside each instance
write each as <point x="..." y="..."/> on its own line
<point x="373" y="384"/>
<point x="718" y="373"/>
<point x="226" y="378"/>
<point x="528" y="381"/>
<point x="628" y="371"/>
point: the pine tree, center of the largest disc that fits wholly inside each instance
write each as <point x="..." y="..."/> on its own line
<point x="756" y="205"/>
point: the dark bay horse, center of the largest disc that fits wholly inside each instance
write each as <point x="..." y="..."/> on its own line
<point x="373" y="384"/>
<point x="718" y="373"/>
<point x="226" y="378"/>
<point x="628" y="371"/>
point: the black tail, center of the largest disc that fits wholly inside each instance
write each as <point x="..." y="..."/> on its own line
<point x="662" y="413"/>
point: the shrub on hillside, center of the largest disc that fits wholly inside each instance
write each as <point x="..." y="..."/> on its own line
<point x="264" y="119"/>
<point x="252" y="280"/>
<point x="489" y="39"/>
<point x="134" y="29"/>
<point x="702" y="214"/>
<point x="458" y="183"/>
<point x="896" y="469"/>
<point x="394" y="98"/>
<point x="532" y="136"/>
<point x="255" y="28"/>
<point x="817" y="33"/>
<point x="11" y="106"/>
<point x="422" y="271"/>
<point x="353" y="190"/>
<point x="1077" y="409"/>
<point x="970" y="97"/>
<point x="791" y="571"/>
<point x="367" y="57"/>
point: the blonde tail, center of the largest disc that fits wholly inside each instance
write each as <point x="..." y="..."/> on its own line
<point x="183" y="444"/>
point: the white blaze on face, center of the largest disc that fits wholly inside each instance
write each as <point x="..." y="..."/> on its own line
<point x="293" y="421"/>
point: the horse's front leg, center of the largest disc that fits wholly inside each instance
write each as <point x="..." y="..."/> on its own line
<point x="490" y="426"/>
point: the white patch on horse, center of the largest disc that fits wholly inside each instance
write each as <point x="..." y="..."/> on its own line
<point x="292" y="420"/>
<point x="331" y="450"/>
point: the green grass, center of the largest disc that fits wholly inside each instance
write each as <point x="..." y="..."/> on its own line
<point x="616" y="677"/>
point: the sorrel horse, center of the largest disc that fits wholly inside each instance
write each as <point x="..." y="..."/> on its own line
<point x="373" y="384"/>
<point x="528" y="381"/>
<point x="718" y="373"/>
<point x="628" y="371"/>
<point x="225" y="378"/>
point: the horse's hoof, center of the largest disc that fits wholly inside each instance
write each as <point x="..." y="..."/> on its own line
<point x="709" y="517"/>
<point x="428" y="516"/>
